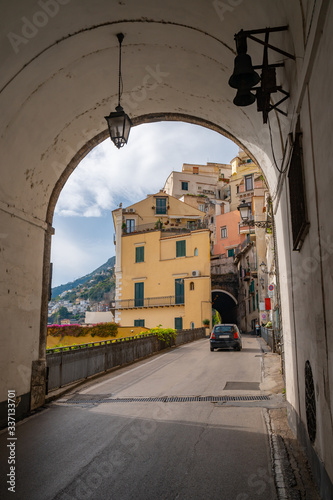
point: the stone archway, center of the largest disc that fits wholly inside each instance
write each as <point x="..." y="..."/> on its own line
<point x="59" y="84"/>
<point x="226" y="304"/>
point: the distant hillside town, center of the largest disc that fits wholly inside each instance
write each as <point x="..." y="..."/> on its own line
<point x="77" y="301"/>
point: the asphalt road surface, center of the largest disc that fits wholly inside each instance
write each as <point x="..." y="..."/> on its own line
<point x="85" y="446"/>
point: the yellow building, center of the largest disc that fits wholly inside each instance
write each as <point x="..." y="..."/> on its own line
<point x="246" y="182"/>
<point x="162" y="264"/>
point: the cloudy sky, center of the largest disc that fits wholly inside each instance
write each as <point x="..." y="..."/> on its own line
<point x="83" y="224"/>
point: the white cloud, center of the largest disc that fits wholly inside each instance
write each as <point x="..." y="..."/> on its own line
<point x="107" y="176"/>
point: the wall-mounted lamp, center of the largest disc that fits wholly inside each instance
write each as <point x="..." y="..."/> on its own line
<point x="245" y="78"/>
<point x="263" y="268"/>
<point x="245" y="212"/>
<point x="119" y="123"/>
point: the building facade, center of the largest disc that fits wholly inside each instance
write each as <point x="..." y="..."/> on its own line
<point x="228" y="233"/>
<point x="246" y="242"/>
<point x="206" y="180"/>
<point x="203" y="187"/>
<point x="162" y="264"/>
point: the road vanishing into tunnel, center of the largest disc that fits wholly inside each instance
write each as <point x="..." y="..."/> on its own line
<point x="102" y="441"/>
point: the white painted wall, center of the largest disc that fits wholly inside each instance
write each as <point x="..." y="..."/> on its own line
<point x="92" y="317"/>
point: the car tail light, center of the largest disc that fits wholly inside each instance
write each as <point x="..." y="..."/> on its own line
<point x="235" y="335"/>
<point x="212" y="335"/>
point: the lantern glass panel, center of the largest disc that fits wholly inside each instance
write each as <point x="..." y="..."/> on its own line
<point x="244" y="211"/>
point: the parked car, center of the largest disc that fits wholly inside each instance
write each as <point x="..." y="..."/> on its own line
<point x="226" y="335"/>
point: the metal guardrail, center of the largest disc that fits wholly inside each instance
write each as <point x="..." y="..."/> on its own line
<point x="76" y="347"/>
<point x="272" y="338"/>
<point x="166" y="301"/>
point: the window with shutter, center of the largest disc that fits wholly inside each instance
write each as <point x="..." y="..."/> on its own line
<point x="138" y="294"/>
<point x="299" y="221"/>
<point x="181" y="248"/>
<point x="179" y="291"/>
<point x="178" y="323"/>
<point x="139" y="254"/>
<point x="161" y="207"/>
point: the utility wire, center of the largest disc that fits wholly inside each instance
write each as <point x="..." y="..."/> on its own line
<point x="272" y="147"/>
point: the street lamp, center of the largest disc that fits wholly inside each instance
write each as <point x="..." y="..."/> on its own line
<point x="245" y="78"/>
<point x="244" y="209"/>
<point x="245" y="212"/>
<point x="119" y="123"/>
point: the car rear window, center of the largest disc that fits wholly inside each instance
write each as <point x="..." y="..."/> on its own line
<point x="224" y="329"/>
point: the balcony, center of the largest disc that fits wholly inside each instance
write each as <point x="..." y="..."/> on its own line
<point x="243" y="245"/>
<point x="170" y="228"/>
<point x="166" y="301"/>
<point x="253" y="269"/>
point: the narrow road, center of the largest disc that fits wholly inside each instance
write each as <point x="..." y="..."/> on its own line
<point x="85" y="446"/>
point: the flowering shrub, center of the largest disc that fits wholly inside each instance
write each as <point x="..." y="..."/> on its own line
<point x="100" y="330"/>
<point x="166" y="334"/>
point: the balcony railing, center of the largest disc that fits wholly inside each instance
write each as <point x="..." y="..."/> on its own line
<point x="166" y="301"/>
<point x="243" y="245"/>
<point x="172" y="227"/>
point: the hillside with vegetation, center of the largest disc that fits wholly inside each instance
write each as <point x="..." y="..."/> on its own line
<point x="92" y="292"/>
<point x="57" y="290"/>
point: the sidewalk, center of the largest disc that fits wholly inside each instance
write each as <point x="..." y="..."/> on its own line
<point x="293" y="477"/>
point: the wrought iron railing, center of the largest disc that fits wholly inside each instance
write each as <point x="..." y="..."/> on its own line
<point x="171" y="300"/>
<point x="171" y="227"/>
<point x="241" y="246"/>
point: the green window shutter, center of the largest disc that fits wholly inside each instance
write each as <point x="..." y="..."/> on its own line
<point x="231" y="252"/>
<point x="139" y="322"/>
<point x="161" y="206"/>
<point x="178" y="323"/>
<point x="138" y="294"/>
<point x="253" y="303"/>
<point x="139" y="254"/>
<point x="181" y="248"/>
<point x="179" y="291"/>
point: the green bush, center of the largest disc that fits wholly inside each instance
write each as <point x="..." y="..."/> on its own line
<point x="104" y="330"/>
<point x="166" y="334"/>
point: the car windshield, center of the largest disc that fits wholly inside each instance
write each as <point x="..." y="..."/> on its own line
<point x="224" y="329"/>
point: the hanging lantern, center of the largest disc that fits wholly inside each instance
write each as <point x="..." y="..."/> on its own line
<point x="119" y="123"/>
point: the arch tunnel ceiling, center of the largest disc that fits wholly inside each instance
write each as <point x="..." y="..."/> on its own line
<point x="62" y="79"/>
<point x="225" y="305"/>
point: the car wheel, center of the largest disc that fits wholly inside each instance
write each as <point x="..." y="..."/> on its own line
<point x="212" y="349"/>
<point x="238" y="348"/>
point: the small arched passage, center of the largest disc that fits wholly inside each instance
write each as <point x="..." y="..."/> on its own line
<point x="226" y="304"/>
